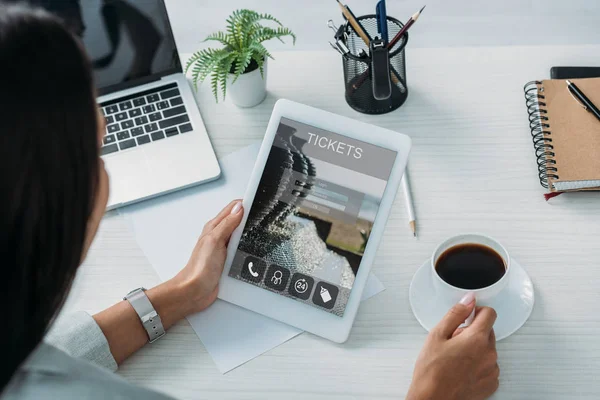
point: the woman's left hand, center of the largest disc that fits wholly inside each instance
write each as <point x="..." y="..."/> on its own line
<point x="197" y="284"/>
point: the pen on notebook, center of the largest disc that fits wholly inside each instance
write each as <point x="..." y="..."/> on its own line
<point x="582" y="99"/>
<point x="405" y="28"/>
<point x="412" y="222"/>
<point x="358" y="28"/>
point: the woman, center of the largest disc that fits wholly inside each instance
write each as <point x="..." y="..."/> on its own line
<point x="54" y="191"/>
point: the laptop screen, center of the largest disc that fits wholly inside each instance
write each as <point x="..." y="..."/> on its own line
<point x="129" y="41"/>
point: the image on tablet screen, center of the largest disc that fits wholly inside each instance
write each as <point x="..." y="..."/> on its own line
<point x="312" y="215"/>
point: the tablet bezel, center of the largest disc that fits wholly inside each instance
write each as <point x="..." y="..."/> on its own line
<point x="287" y="310"/>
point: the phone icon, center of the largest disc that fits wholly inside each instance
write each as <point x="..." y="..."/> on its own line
<point x="252" y="272"/>
<point x="253" y="269"/>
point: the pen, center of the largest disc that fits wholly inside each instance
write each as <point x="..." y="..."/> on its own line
<point x="360" y="31"/>
<point x="405" y="28"/>
<point x="409" y="203"/>
<point x="582" y="99"/>
<point x="382" y="27"/>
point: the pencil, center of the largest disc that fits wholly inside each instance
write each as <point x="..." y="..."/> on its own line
<point x="405" y="28"/>
<point x="412" y="222"/>
<point x="360" y="31"/>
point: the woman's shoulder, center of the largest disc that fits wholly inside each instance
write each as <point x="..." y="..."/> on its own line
<point x="50" y="373"/>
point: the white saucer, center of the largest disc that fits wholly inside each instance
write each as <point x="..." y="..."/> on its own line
<point x="513" y="304"/>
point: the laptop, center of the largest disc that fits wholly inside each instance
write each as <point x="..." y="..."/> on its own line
<point x="155" y="140"/>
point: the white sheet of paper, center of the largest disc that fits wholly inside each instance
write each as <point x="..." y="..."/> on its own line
<point x="167" y="229"/>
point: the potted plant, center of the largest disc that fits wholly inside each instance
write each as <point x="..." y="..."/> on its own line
<point x="241" y="66"/>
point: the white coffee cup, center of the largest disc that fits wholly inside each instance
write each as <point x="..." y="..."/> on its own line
<point x="451" y="294"/>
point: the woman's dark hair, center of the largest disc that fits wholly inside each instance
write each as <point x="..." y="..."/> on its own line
<point x="49" y="172"/>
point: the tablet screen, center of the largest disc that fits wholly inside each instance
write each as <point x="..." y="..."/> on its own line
<point x="312" y="215"/>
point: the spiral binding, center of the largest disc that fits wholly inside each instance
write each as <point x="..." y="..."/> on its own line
<point x="540" y="132"/>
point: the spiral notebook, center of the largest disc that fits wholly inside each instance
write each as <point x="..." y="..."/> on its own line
<point x="566" y="137"/>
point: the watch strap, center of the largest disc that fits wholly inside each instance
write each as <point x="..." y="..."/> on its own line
<point x="148" y="315"/>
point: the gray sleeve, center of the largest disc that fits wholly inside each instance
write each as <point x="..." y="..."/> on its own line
<point x="80" y="336"/>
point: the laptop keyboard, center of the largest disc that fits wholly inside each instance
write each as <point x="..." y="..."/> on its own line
<point x="143" y="118"/>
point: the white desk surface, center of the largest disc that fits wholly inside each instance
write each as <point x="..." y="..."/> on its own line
<point x="472" y="169"/>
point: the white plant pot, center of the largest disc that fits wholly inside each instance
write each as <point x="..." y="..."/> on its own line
<point x="249" y="90"/>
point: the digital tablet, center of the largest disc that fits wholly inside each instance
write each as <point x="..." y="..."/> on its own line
<point x="314" y="213"/>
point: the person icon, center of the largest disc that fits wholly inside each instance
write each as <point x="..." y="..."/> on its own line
<point x="277" y="277"/>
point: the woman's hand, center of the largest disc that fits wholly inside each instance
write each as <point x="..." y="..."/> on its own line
<point x="191" y="291"/>
<point x="195" y="287"/>
<point x="458" y="363"/>
<point x="200" y="277"/>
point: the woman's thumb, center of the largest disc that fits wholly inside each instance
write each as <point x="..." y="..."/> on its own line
<point x="457" y="315"/>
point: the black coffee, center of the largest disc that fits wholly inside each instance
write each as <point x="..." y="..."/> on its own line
<point x="470" y="266"/>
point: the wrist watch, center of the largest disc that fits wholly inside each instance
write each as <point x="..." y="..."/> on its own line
<point x="148" y="315"/>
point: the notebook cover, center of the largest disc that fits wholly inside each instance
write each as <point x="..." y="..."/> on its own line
<point x="575" y="132"/>
<point x="574" y="72"/>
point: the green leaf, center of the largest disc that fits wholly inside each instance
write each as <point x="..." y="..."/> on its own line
<point x="266" y="33"/>
<point x="270" y="18"/>
<point x="241" y="63"/>
<point x="234" y="21"/>
<point x="260" y="49"/>
<point x="223" y="83"/>
<point x="287" y="32"/>
<point x="222" y="38"/>
<point x="231" y="32"/>
<point x="260" y="60"/>
<point x="253" y="17"/>
<point x="199" y="66"/>
<point x="205" y="63"/>
<point x="195" y="75"/>
<point x="214" y="84"/>
<point x="250" y="16"/>
<point x="224" y="71"/>
<point x="195" y="57"/>
<point x="244" y="28"/>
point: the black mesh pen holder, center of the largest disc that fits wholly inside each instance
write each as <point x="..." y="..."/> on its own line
<point x="358" y="72"/>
